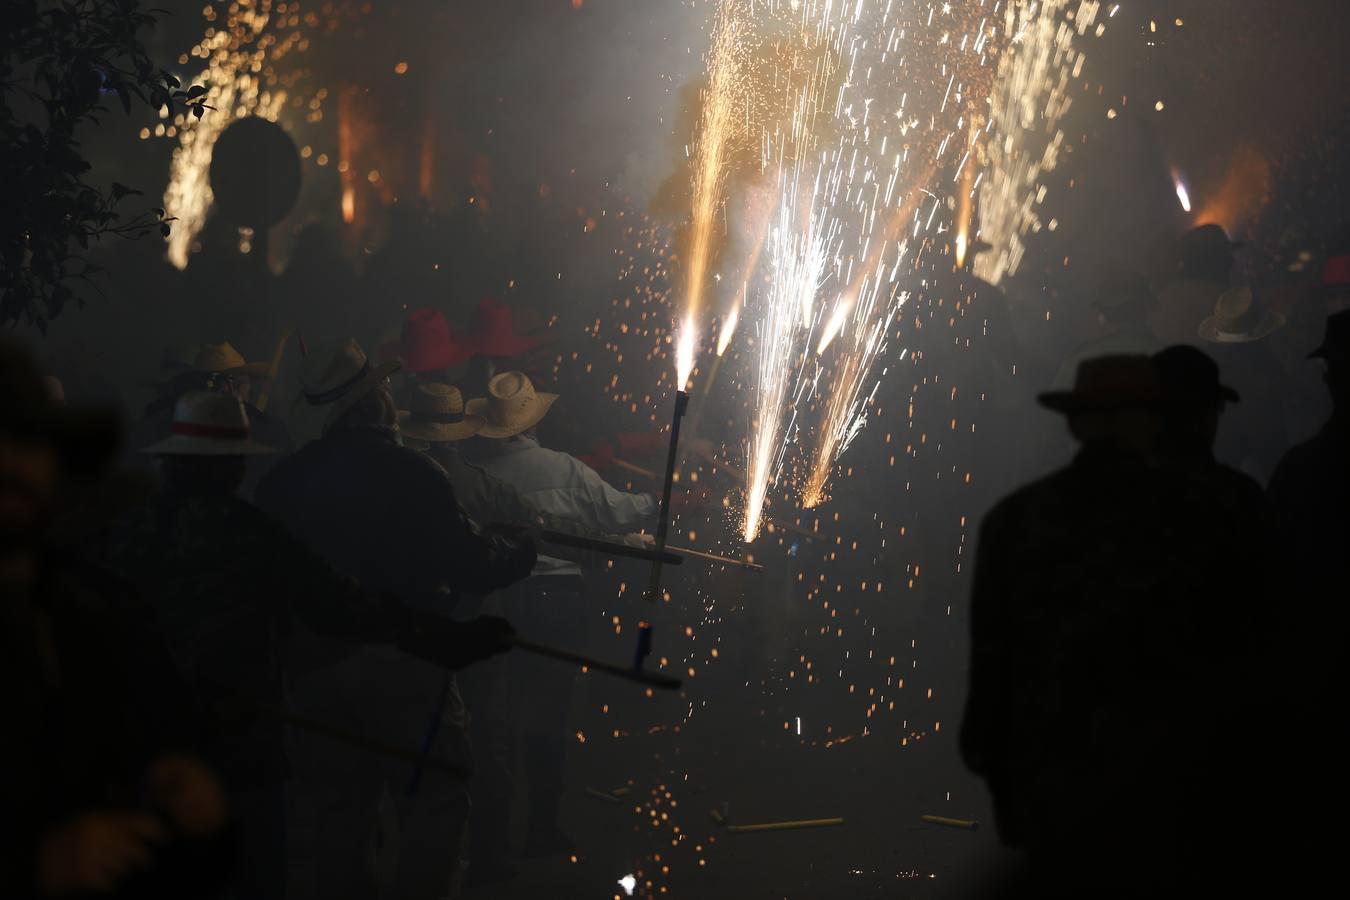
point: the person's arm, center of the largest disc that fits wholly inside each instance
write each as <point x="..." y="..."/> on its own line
<point x="608" y="509"/>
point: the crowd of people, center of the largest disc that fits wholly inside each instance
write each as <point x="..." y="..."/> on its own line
<point x="263" y="651"/>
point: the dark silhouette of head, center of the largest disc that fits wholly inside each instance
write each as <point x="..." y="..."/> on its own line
<point x="1113" y="404"/>
<point x="1206" y="253"/>
<point x="1191" y="400"/>
<point x="1334" y="351"/>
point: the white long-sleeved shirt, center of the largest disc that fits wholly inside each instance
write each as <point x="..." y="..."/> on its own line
<point x="564" y="486"/>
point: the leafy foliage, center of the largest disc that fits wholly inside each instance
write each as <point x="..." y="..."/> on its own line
<point x="61" y="63"/>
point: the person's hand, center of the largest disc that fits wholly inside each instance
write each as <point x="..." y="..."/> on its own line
<point x="94" y="851"/>
<point x="489" y="635"/>
<point x="641" y="540"/>
<point x="452" y="644"/>
<point x="189" y="794"/>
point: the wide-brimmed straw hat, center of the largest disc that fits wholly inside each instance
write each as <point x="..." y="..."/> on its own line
<point x="333" y="381"/>
<point x="223" y="359"/>
<point x="208" y="423"/>
<point x="511" y="406"/>
<point x="436" y="414"/>
<point x="1108" y="383"/>
<point x="425" y="343"/>
<point x="1239" y="319"/>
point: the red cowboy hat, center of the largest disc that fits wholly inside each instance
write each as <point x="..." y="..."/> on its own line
<point x="492" y="331"/>
<point x="426" y="343"/>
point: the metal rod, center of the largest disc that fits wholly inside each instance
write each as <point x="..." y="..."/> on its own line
<point x="636" y="470"/>
<point x="663" y="524"/>
<point x="563" y="539"/>
<point x="967" y="824"/>
<point x="784" y="826"/>
<point x="713" y="557"/>
<point x="651" y="679"/>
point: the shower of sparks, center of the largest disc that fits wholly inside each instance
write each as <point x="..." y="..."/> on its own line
<point x="801" y="244"/>
<point x="1030" y="97"/>
<point x="238" y="53"/>
<point x="722" y="101"/>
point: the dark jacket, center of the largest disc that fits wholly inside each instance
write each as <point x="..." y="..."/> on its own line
<point x="225" y="582"/>
<point x="1111" y="625"/>
<point x="387" y="515"/>
<point x="90" y="698"/>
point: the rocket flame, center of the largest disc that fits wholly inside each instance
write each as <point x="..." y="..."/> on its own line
<point x="685" y="343"/>
<point x="728" y="329"/>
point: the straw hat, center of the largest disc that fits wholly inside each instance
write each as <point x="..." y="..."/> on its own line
<point x="1239" y="319"/>
<point x="436" y="415"/>
<point x="208" y="423"/>
<point x="223" y="359"/>
<point x="1108" y="383"/>
<point x="511" y="406"/>
<point x="333" y="381"/>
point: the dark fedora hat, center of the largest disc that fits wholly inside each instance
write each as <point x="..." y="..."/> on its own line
<point x="86" y="439"/>
<point x="1108" y="383"/>
<point x="1336" y="340"/>
<point x="1187" y="375"/>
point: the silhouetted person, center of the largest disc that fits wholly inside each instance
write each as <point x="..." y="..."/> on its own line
<point x="551" y="602"/>
<point x="1204" y="270"/>
<point x="1311" y="493"/>
<point x="1102" y="659"/>
<point x="100" y="795"/>
<point x="226" y="582"/>
<point x="388" y="516"/>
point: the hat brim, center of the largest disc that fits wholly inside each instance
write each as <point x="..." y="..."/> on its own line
<point x="328" y="413"/>
<point x="186" y="445"/>
<point x="248" y="370"/>
<point x="1209" y="330"/>
<point x="439" y="432"/>
<point x="526" y="420"/>
<point x="1070" y="403"/>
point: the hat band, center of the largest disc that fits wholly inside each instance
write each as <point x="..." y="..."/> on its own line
<point x="328" y="396"/>
<point x="219" y="432"/>
<point x="450" y="418"/>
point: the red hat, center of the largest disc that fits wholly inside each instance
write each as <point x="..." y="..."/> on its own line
<point x="426" y="343"/>
<point x="492" y="331"/>
<point x="1336" y="272"/>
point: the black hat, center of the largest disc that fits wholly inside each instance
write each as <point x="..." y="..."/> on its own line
<point x="1187" y="375"/>
<point x="1336" y="342"/>
<point x="85" y="438"/>
<point x="1108" y="383"/>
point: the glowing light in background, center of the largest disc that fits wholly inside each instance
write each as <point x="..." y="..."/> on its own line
<point x="237" y="53"/>
<point x="1030" y="96"/>
<point x="728" y="329"/>
<point x="627" y="882"/>
<point x="1183" y="195"/>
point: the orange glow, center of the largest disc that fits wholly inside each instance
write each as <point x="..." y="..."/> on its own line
<point x="1242" y="195"/>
